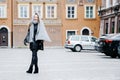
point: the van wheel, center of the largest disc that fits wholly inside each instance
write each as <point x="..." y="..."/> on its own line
<point x="72" y="50"/>
<point x="77" y="48"/>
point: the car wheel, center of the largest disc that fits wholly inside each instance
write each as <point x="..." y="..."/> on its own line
<point x="113" y="55"/>
<point x="106" y="53"/>
<point x="118" y="55"/>
<point x="72" y="50"/>
<point x="118" y="52"/>
<point x="77" y="48"/>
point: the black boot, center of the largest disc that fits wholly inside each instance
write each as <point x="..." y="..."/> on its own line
<point x="30" y="69"/>
<point x="36" y="69"/>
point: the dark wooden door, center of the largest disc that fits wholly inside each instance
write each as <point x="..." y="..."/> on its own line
<point x="85" y="32"/>
<point x="3" y="37"/>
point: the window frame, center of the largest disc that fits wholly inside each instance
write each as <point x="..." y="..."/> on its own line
<point x="55" y="11"/>
<point x="75" y="11"/>
<point x="4" y="10"/>
<point x="94" y="12"/>
<point x="70" y="30"/>
<point x="28" y="10"/>
<point x="41" y="13"/>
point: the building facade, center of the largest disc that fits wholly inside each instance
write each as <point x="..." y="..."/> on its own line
<point x="5" y="23"/>
<point x="80" y="18"/>
<point x="50" y="13"/>
<point x="62" y="18"/>
<point x="110" y="17"/>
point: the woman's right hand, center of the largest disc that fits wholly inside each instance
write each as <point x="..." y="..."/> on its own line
<point x="25" y="43"/>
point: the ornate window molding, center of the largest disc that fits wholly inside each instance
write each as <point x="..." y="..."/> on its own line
<point x="80" y="2"/>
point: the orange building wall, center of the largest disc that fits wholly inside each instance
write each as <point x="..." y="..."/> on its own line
<point x="56" y="31"/>
<point x="80" y="22"/>
<point x="7" y="22"/>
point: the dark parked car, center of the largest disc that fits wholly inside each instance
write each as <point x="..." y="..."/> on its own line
<point x="109" y="45"/>
<point x="119" y="50"/>
<point x="99" y="46"/>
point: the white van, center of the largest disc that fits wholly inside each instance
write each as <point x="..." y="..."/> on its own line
<point x="79" y="42"/>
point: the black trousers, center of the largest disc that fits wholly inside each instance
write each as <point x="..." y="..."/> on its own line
<point x="33" y="48"/>
<point x="34" y="60"/>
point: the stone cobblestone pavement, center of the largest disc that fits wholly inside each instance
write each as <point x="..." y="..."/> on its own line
<point x="58" y="64"/>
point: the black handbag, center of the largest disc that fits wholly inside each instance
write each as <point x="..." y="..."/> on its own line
<point x="40" y="44"/>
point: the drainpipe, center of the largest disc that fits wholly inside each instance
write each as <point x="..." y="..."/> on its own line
<point x="12" y="7"/>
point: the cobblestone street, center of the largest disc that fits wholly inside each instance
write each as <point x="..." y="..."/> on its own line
<point x="58" y="64"/>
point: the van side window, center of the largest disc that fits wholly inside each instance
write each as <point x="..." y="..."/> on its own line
<point x="84" y="38"/>
<point x="75" y="38"/>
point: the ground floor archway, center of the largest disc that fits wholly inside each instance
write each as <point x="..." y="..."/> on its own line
<point x="3" y="37"/>
<point x="86" y="31"/>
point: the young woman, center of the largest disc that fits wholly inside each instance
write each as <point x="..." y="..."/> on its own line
<point x="35" y="37"/>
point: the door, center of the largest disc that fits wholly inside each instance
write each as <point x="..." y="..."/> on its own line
<point x="88" y="42"/>
<point x="93" y="42"/>
<point x="3" y="37"/>
<point x="85" y="32"/>
<point x="85" y="42"/>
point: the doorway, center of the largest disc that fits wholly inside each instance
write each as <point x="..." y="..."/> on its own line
<point x="3" y="37"/>
<point x="85" y="32"/>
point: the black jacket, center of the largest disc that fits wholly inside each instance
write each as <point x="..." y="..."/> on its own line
<point x="37" y="45"/>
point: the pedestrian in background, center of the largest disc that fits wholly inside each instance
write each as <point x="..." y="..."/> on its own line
<point x="36" y="36"/>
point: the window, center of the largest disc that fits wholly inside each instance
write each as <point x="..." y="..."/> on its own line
<point x="90" y="1"/>
<point x="119" y="26"/>
<point x="90" y="11"/>
<point x="23" y="10"/>
<point x="2" y="0"/>
<point x="75" y="38"/>
<point x="84" y="38"/>
<point x="71" y="1"/>
<point x="113" y="27"/>
<point x="37" y="8"/>
<point x="106" y="29"/>
<point x="51" y="11"/>
<point x="93" y="39"/>
<point x="3" y="11"/>
<point x="71" y="11"/>
<point x="69" y="33"/>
